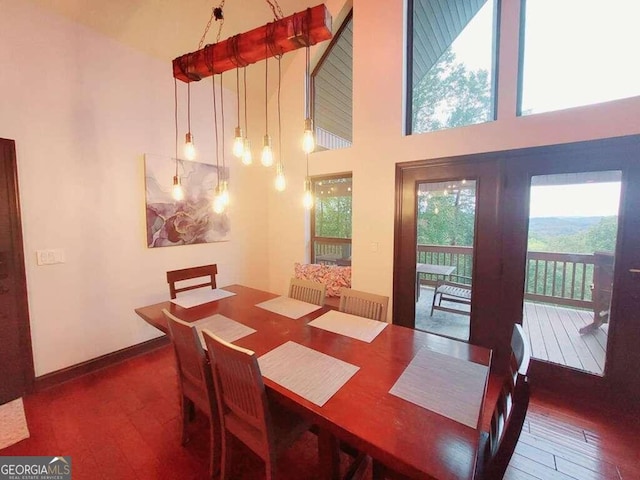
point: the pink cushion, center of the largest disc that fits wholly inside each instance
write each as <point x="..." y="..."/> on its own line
<point x="334" y="277"/>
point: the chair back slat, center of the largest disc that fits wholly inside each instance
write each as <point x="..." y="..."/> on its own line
<point x="242" y="399"/>
<point x="364" y="304"/>
<point x="175" y="276"/>
<point x="189" y="352"/>
<point x="510" y="410"/>
<point x="307" y="291"/>
<point x="520" y="349"/>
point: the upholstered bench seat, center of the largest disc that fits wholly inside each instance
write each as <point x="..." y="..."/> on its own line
<point x="333" y="276"/>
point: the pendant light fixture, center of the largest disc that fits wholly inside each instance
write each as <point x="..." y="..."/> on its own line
<point x="283" y="34"/>
<point x="224" y="184"/>
<point x="238" y="141"/>
<point x="189" y="147"/>
<point x="308" y="140"/>
<point x="247" y="158"/>
<point x="176" y="191"/>
<point x="280" y="182"/>
<point x="267" y="153"/>
<point x="218" y="201"/>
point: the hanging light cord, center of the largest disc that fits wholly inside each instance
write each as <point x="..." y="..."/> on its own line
<point x="189" y="107"/>
<point x="279" y="57"/>
<point x="246" y="126"/>
<point x="175" y="116"/>
<point x="222" y="127"/>
<point x="266" y="96"/>
<point x="238" y="91"/>
<point x="307" y="84"/>
<point x="215" y="125"/>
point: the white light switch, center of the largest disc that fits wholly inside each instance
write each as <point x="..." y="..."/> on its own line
<point x="374" y="246"/>
<point x="50" y="256"/>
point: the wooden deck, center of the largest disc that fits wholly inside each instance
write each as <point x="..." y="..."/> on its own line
<point x="553" y="332"/>
<point x="555" y="337"/>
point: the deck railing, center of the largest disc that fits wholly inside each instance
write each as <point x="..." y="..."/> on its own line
<point x="335" y="251"/>
<point x="557" y="278"/>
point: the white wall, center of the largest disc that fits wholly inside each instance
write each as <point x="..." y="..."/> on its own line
<point x="378" y="141"/>
<point x="83" y="111"/>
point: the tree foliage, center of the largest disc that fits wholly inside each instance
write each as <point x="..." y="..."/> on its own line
<point x="333" y="217"/>
<point x="450" y="95"/>
<point x="447" y="219"/>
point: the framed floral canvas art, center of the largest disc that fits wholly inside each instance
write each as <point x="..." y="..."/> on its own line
<point x="190" y="220"/>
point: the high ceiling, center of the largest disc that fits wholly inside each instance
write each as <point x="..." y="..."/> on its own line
<point x="169" y="28"/>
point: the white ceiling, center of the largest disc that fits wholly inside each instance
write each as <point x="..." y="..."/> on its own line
<point x="169" y="28"/>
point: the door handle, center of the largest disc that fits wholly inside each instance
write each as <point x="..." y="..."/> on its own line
<point x="634" y="270"/>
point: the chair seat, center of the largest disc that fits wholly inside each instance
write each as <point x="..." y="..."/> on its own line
<point x="451" y="292"/>
<point x="454" y="291"/>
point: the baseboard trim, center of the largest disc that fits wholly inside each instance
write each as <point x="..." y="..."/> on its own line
<point x="60" y="376"/>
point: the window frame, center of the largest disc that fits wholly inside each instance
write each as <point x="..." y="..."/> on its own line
<point x="409" y="67"/>
<point x="313" y="238"/>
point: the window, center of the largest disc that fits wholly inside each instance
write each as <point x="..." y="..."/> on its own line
<point x="578" y="52"/>
<point x="331" y="220"/>
<point x="333" y="91"/>
<point x="451" y="64"/>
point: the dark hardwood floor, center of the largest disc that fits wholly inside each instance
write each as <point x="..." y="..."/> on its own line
<point x="122" y="423"/>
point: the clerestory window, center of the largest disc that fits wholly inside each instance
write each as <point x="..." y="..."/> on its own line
<point x="451" y="63"/>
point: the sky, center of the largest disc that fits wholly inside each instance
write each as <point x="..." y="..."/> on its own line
<point x="573" y="48"/>
<point x="581" y="200"/>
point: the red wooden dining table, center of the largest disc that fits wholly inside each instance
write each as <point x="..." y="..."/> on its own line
<point x="408" y="438"/>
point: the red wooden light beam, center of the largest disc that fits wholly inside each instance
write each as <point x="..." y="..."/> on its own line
<point x="275" y="38"/>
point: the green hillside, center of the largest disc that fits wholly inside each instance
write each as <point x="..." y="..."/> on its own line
<point x="573" y="234"/>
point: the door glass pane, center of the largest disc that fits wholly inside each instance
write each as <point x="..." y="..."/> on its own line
<point x="573" y="224"/>
<point x="445" y="229"/>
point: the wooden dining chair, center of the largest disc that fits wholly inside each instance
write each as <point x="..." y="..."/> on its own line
<point x="175" y="276"/>
<point x="363" y="304"/>
<point x="497" y="445"/>
<point x="196" y="383"/>
<point x="307" y="291"/>
<point x="245" y="411"/>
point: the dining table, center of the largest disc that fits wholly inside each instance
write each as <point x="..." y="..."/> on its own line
<point x="407" y="398"/>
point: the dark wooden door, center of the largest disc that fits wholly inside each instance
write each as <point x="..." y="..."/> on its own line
<point x="621" y="375"/>
<point x="484" y="170"/>
<point x="16" y="359"/>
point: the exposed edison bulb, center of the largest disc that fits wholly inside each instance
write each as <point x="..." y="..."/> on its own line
<point x="280" y="182"/>
<point x="308" y="142"/>
<point x="238" y="143"/>
<point x="177" y="192"/>
<point x="267" y="153"/>
<point x="224" y="192"/>
<point x="189" y="147"/>
<point x="307" y="199"/>
<point x="218" y="205"/>
<point x="247" y="158"/>
<point x="218" y="201"/>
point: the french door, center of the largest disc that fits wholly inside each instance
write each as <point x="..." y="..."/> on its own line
<point x="554" y="247"/>
<point x="430" y="253"/>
